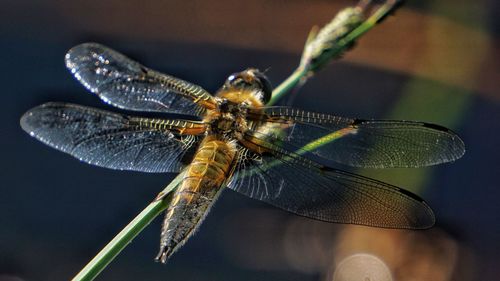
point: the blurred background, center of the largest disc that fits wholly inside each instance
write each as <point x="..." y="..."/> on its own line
<point x="436" y="61"/>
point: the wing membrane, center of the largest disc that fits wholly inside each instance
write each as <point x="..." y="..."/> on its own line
<point x="359" y="143"/>
<point x="295" y="184"/>
<point x="127" y="84"/>
<point x="112" y="140"/>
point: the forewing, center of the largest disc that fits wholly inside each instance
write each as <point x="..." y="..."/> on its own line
<point x="295" y="184"/>
<point x="358" y="143"/>
<point x="124" y="83"/>
<point x="112" y="140"/>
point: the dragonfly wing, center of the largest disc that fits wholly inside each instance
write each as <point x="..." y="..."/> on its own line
<point x="293" y="183"/>
<point x="113" y="140"/>
<point x="359" y="143"/>
<point x="126" y="84"/>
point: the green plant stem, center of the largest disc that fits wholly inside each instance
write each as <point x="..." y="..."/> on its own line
<point x="366" y="25"/>
<point x="124" y="237"/>
<point x="343" y="44"/>
<point x="288" y="84"/>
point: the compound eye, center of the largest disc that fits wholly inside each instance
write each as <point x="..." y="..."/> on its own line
<point x="250" y="78"/>
<point x="235" y="80"/>
<point x="265" y="85"/>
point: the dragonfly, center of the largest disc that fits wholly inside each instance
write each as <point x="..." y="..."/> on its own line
<point x="233" y="140"/>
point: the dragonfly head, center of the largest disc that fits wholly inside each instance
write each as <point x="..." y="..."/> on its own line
<point x="250" y="79"/>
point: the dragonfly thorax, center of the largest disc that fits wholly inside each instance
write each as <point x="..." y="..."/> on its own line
<point x="228" y="119"/>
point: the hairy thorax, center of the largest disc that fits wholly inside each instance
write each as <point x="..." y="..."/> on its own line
<point x="228" y="120"/>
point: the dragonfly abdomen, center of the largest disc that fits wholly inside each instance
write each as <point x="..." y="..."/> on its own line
<point x="200" y="187"/>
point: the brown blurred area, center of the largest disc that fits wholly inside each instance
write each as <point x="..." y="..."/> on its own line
<point x="450" y="43"/>
<point x="274" y="242"/>
<point x="57" y="213"/>
<point x="283" y="26"/>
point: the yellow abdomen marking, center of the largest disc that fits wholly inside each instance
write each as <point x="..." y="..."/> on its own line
<point x="210" y="166"/>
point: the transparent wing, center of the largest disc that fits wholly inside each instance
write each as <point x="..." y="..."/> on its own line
<point x="127" y="84"/>
<point x="358" y="143"/>
<point x="295" y="184"/>
<point x="112" y="140"/>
